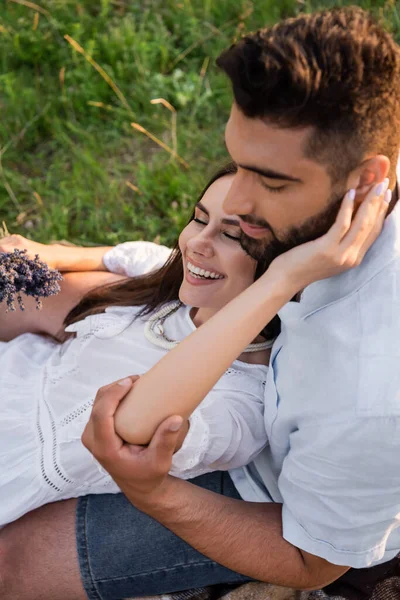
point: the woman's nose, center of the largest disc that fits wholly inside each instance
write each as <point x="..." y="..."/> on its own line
<point x="201" y="244"/>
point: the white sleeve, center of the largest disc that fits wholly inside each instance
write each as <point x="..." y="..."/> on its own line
<point x="135" y="258"/>
<point x="226" y="430"/>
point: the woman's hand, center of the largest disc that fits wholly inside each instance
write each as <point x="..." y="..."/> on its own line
<point x="342" y="247"/>
<point x="47" y="253"/>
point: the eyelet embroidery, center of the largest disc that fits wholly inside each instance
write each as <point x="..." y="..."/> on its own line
<point x="76" y="413"/>
<point x="42" y="469"/>
<point x="56" y="466"/>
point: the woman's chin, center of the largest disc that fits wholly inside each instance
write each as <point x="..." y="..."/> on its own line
<point x="192" y="297"/>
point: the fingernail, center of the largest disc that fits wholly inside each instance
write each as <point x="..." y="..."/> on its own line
<point x="388" y="196"/>
<point x="175" y="425"/>
<point x="125" y="382"/>
<point x="382" y="187"/>
<point x="385" y="185"/>
<point x="351" y="194"/>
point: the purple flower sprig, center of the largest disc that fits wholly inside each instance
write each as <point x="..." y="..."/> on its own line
<point x="19" y="273"/>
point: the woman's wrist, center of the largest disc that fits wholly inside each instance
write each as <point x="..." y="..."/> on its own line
<point x="282" y="281"/>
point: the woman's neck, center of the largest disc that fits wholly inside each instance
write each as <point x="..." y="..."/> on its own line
<point x="201" y="315"/>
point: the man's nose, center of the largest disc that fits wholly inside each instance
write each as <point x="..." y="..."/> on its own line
<point x="238" y="201"/>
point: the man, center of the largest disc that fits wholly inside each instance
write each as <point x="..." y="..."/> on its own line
<point x="316" y="112"/>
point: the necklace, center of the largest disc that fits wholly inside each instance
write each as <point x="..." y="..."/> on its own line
<point x="154" y="330"/>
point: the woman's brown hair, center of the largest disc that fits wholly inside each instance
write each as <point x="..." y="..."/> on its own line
<point x="151" y="290"/>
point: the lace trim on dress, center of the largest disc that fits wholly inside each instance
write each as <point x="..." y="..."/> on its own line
<point x="256" y="380"/>
<point x="42" y="467"/>
<point x="76" y="413"/>
<point x="56" y="466"/>
<point x="101" y="326"/>
<point x="193" y="449"/>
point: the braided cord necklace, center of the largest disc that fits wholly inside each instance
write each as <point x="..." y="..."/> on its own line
<point x="154" y="330"/>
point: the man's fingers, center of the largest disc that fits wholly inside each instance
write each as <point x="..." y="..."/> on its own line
<point x="104" y="388"/>
<point x="164" y="441"/>
<point x="100" y="431"/>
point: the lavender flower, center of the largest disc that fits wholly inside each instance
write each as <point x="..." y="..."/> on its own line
<point x="19" y="273"/>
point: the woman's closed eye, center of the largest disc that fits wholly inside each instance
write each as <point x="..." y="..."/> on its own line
<point x="236" y="238"/>
<point x="197" y="220"/>
<point x="230" y="236"/>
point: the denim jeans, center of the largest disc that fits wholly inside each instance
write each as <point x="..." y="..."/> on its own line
<point x="125" y="553"/>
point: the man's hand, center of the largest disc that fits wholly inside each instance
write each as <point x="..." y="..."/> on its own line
<point x="140" y="469"/>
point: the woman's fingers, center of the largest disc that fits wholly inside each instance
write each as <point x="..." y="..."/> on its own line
<point x="343" y="219"/>
<point x="366" y="218"/>
<point x="378" y="224"/>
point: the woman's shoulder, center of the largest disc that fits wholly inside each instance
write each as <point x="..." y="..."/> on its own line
<point x="135" y="258"/>
<point x="113" y="318"/>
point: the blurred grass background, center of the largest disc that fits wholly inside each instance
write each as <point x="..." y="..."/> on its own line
<point x="74" y="75"/>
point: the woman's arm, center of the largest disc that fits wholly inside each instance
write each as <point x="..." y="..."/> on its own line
<point x="59" y="256"/>
<point x="128" y="258"/>
<point x="49" y="320"/>
<point x="77" y="258"/>
<point x="83" y="269"/>
<point x="183" y="377"/>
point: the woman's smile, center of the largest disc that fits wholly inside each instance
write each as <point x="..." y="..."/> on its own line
<point x="197" y="274"/>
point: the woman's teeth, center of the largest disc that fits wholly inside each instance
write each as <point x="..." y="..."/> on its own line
<point x="201" y="273"/>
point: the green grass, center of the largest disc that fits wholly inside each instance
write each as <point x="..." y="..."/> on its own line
<point x="67" y="144"/>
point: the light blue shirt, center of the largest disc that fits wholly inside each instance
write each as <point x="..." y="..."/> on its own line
<point x="332" y="414"/>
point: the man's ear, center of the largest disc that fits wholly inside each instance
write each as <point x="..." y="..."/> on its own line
<point x="370" y="172"/>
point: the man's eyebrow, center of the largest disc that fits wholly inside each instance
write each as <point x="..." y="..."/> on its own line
<point x="270" y="173"/>
<point x="224" y="221"/>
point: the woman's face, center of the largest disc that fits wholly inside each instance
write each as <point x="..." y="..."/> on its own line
<point x="215" y="267"/>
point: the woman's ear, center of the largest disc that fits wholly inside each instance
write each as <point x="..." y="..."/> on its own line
<point x="369" y="173"/>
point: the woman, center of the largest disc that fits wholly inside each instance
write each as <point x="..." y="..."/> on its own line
<point x="41" y="453"/>
<point x="42" y="458"/>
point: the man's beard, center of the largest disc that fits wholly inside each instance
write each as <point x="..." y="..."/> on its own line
<point x="314" y="227"/>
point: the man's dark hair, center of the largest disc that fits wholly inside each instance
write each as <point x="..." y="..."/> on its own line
<point x="336" y="70"/>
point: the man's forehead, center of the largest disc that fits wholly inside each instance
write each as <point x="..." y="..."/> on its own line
<point x="258" y="143"/>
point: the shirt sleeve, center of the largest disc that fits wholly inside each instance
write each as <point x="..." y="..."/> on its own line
<point x="340" y="486"/>
<point x="135" y="258"/>
<point x="225" y="431"/>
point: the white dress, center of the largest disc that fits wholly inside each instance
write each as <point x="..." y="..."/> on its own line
<point x="47" y="390"/>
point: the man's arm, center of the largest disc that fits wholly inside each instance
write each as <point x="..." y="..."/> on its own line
<point x="243" y="536"/>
